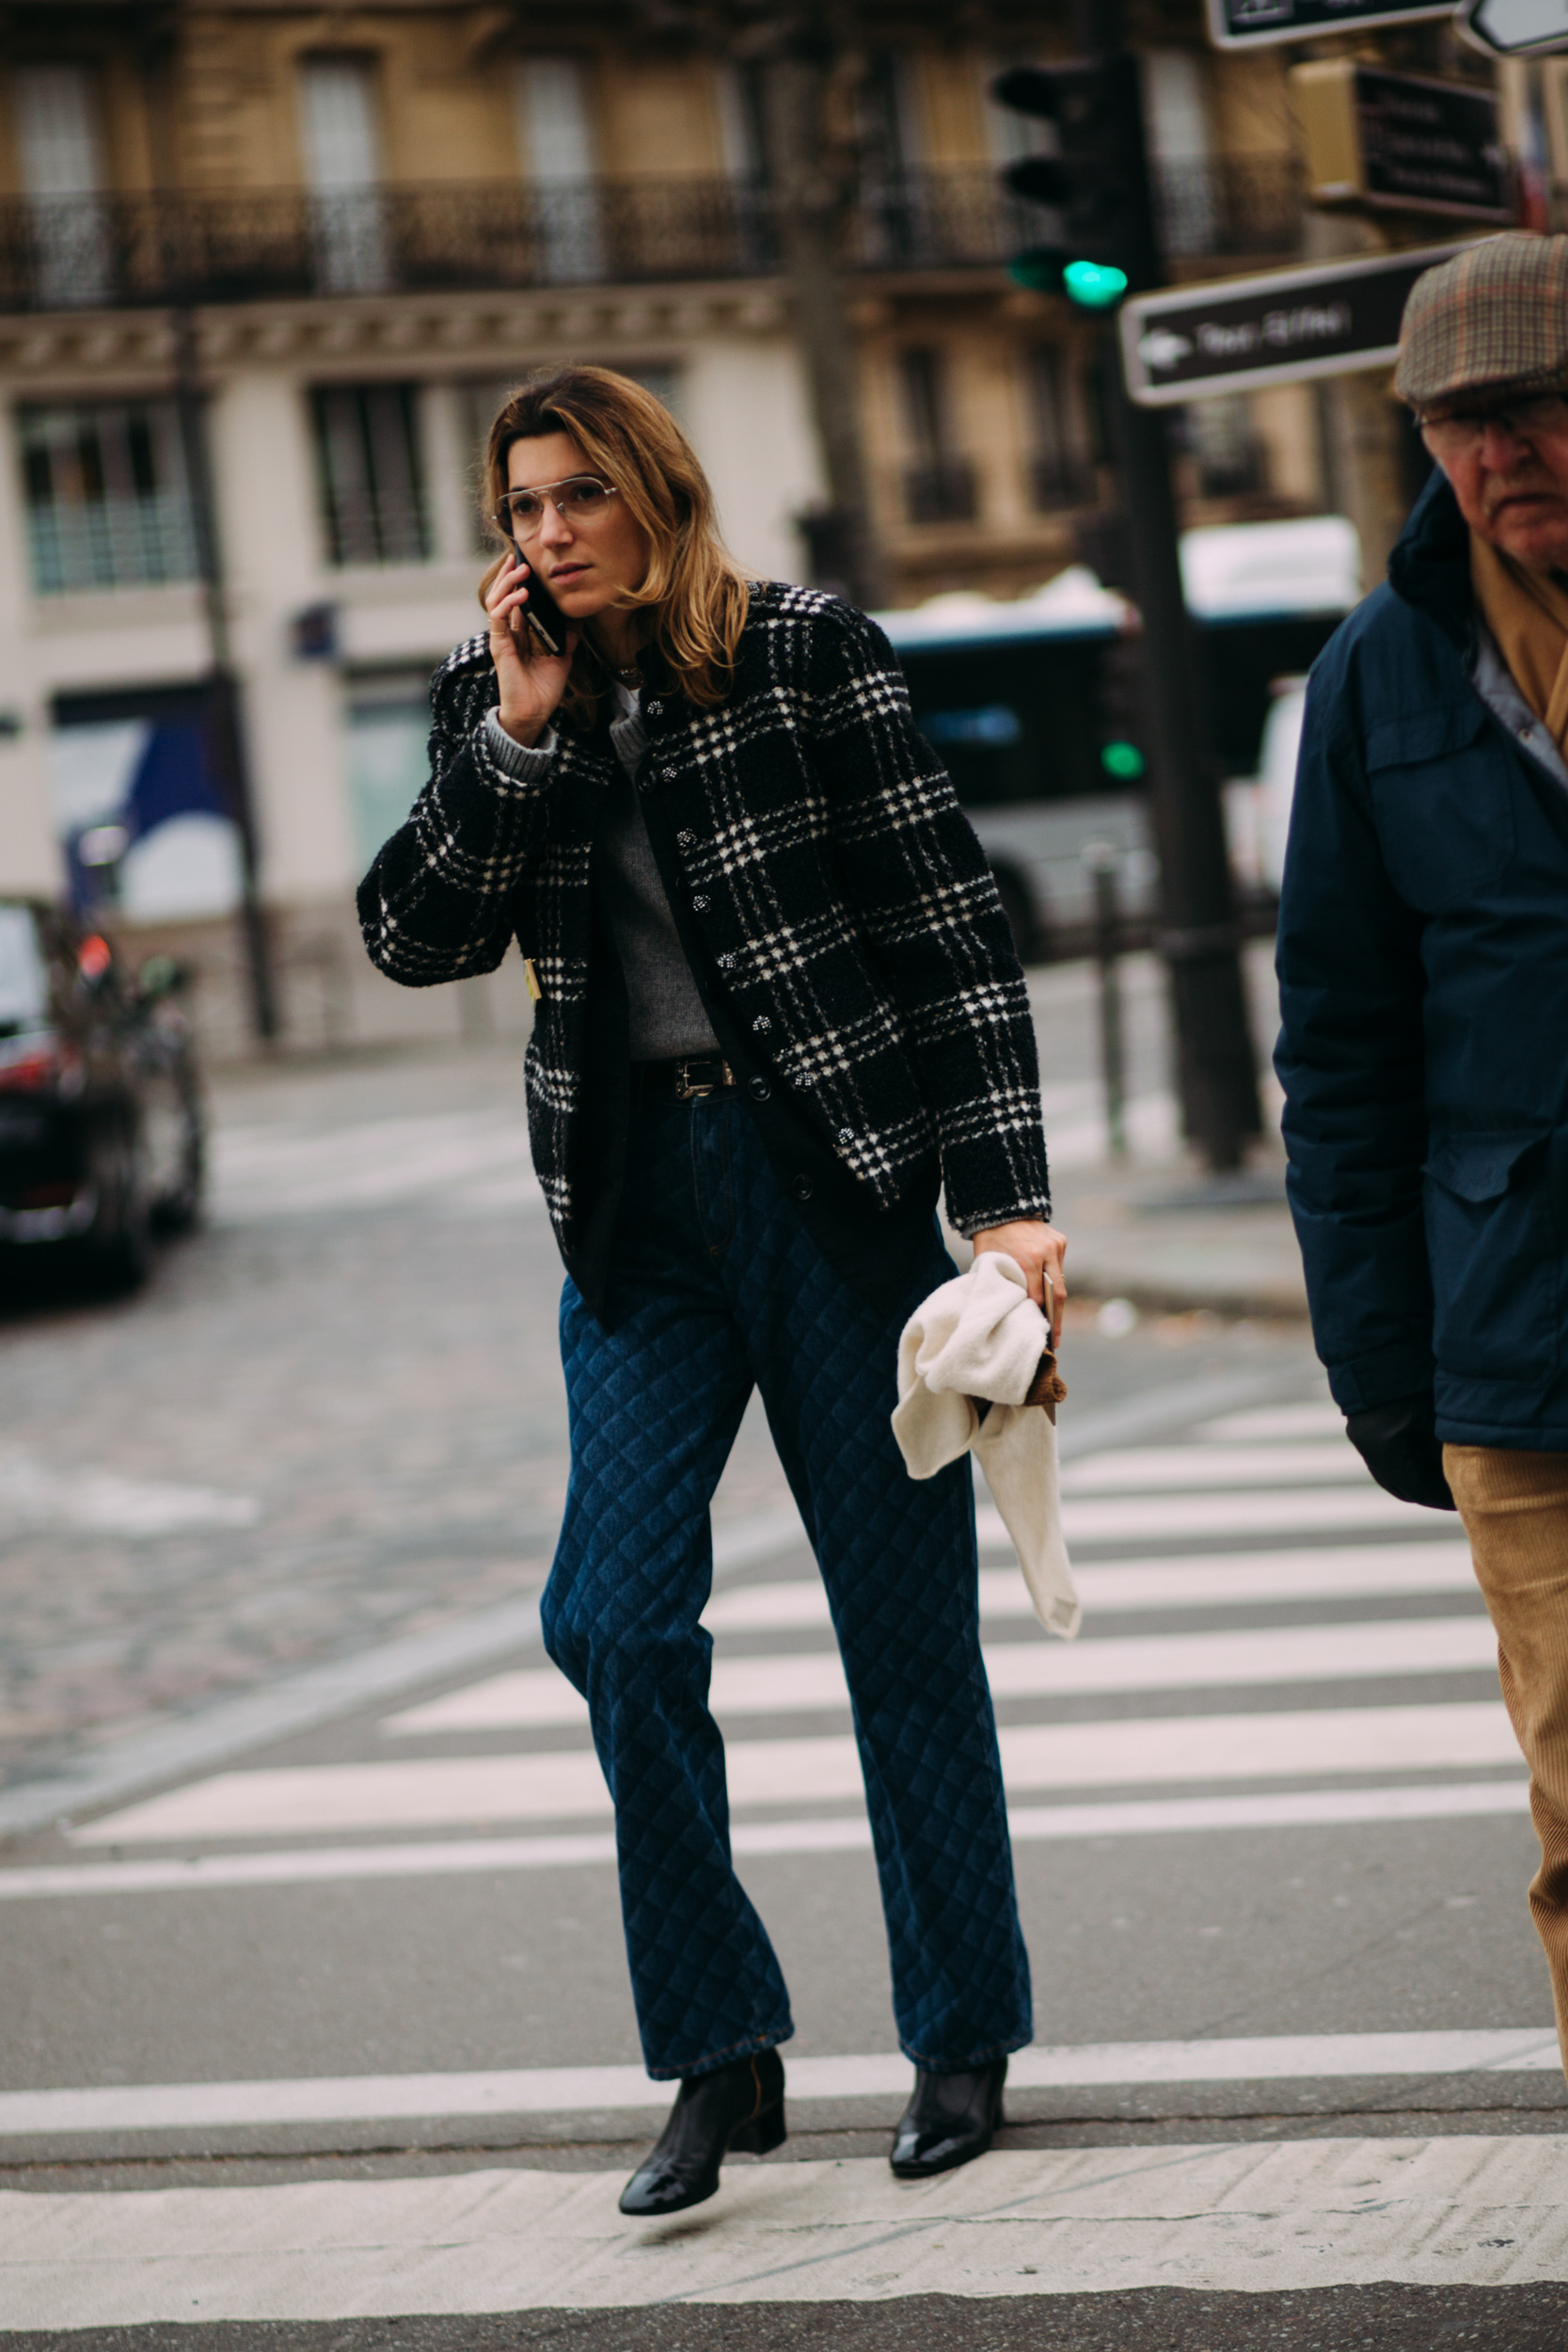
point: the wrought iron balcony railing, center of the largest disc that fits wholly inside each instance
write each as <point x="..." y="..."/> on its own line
<point x="1230" y="204"/>
<point x="112" y="251"/>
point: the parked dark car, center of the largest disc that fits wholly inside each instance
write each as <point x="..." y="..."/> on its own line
<point x="102" y="1129"/>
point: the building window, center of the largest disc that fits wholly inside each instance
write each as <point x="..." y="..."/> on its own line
<point x="1177" y="114"/>
<point x="388" y="729"/>
<point x="555" y="133"/>
<point x="341" y="152"/>
<point x="893" y="228"/>
<point x="938" y="484"/>
<point x="1227" y="450"/>
<point x="57" y="148"/>
<point x="1060" y="474"/>
<point x="108" y="503"/>
<point x="368" y="468"/>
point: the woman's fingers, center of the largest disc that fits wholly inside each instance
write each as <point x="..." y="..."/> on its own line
<point x="508" y="596"/>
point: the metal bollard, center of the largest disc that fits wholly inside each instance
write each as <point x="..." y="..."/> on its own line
<point x="1103" y="862"/>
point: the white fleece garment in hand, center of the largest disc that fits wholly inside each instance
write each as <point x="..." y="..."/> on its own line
<point x="982" y="1336"/>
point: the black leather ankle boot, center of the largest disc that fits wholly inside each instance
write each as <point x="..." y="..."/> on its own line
<point x="950" y="2119"/>
<point x="740" y="2106"/>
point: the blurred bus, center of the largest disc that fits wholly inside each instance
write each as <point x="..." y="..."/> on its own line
<point x="1034" y="706"/>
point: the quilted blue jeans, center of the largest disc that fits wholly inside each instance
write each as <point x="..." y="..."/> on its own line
<point x="718" y="1286"/>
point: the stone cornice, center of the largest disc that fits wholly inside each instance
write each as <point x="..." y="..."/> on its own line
<point x="382" y="335"/>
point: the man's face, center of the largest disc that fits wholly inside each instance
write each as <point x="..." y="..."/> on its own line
<point x="1508" y="462"/>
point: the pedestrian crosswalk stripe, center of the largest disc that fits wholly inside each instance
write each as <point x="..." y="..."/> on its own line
<point x="1263" y="1423"/>
<point x="592" y="2090"/>
<point x="783" y="1684"/>
<point x="279" y="1172"/>
<point x="1170" y="1518"/>
<point x="325" y="1798"/>
<point x="1247" y="2216"/>
<point x="841" y="1832"/>
<point x="1115" y="1588"/>
<point x="1177" y="1469"/>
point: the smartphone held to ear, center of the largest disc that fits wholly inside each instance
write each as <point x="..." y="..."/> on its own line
<point x="542" y="613"/>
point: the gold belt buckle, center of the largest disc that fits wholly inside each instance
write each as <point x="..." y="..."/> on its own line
<point x="686" y="1092"/>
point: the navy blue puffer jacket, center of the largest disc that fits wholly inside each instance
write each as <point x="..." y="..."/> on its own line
<point x="1423" y="967"/>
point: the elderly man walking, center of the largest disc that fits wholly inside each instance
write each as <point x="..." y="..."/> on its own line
<point x="1423" y="966"/>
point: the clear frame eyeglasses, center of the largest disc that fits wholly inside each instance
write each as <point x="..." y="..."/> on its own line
<point x="580" y="500"/>
<point x="1461" y="435"/>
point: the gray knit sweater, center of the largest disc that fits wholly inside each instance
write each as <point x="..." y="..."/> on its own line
<point x="666" y="1015"/>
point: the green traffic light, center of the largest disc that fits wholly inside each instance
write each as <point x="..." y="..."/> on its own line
<point x="1122" y="760"/>
<point x="1094" y="285"/>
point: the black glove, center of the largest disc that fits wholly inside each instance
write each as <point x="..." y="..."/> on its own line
<point x="1399" y="1445"/>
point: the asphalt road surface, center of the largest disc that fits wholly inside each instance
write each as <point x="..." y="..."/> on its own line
<point x="318" y="2032"/>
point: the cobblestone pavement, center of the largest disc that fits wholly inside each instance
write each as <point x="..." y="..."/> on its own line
<point x="335" y="1414"/>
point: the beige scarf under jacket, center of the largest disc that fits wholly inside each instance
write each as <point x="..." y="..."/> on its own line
<point x="1528" y="614"/>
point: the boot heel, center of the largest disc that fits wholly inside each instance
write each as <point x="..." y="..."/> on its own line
<point x="762" y="2135"/>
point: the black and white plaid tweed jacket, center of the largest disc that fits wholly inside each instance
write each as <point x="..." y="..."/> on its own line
<point x="848" y="914"/>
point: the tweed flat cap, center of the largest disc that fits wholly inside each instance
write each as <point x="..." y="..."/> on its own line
<point x="1495" y="315"/>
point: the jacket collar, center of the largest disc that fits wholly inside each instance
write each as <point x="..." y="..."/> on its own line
<point x="1430" y="567"/>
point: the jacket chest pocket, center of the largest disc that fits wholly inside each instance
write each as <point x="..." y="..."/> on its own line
<point x="1442" y="789"/>
<point x="1496" y="1260"/>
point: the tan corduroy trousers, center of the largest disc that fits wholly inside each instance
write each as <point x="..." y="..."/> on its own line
<point x="1514" y="1507"/>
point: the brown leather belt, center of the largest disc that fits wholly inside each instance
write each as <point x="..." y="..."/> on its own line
<point x="687" y="1079"/>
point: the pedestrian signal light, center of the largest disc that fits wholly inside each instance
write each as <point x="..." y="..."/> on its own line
<point x="1122" y="760"/>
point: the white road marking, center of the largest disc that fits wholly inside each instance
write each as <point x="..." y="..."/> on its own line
<point x="34" y="1495"/>
<point x="1263" y="1423"/>
<point x="1457" y="2209"/>
<point x="1178" y="1469"/>
<point x="592" y="2090"/>
<point x="323" y="1800"/>
<point x="778" y="1685"/>
<point x="277" y="1172"/>
<point x="1161" y="1519"/>
<point x="1107" y="1588"/>
<point x="1149" y="1816"/>
<point x="1151" y="1124"/>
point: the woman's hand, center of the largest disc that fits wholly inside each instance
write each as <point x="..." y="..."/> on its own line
<point x="531" y="681"/>
<point x="1038" y="1249"/>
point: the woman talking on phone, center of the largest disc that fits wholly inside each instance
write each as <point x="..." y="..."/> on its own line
<point x="778" y="1007"/>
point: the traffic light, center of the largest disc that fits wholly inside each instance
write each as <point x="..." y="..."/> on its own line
<point x="1120" y="715"/>
<point x="1095" y="183"/>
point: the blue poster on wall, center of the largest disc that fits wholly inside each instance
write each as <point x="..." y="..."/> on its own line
<point x="140" y="816"/>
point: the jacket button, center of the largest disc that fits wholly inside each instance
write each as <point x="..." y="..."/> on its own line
<point x="759" y="1089"/>
<point x="846" y="1134"/>
<point x="687" y="840"/>
<point x="799" y="1187"/>
<point x="726" y="962"/>
<point x="762" y="1025"/>
<point x="701" y="903"/>
<point x="653" y="709"/>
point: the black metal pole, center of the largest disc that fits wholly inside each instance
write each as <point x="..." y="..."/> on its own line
<point x="1102" y="859"/>
<point x="157" y="27"/>
<point x="1198" y="936"/>
<point x="226" y="724"/>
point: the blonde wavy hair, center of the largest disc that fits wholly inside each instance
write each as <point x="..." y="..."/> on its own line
<point x="693" y="584"/>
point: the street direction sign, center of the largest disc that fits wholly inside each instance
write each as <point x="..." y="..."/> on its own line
<point x="1398" y="142"/>
<point x="1516" y="29"/>
<point x="1257" y="24"/>
<point x="1237" y="334"/>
